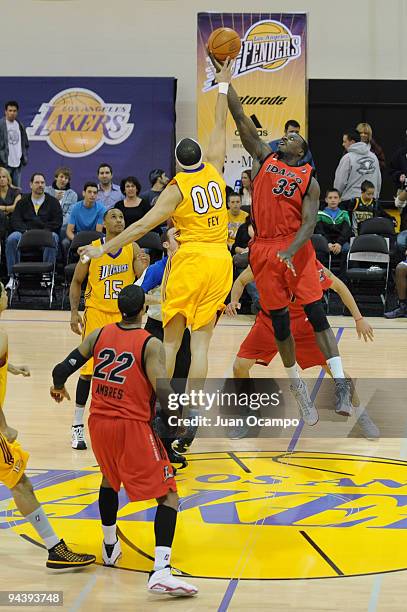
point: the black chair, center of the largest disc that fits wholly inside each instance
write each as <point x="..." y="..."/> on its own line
<point x="80" y="239"/>
<point x="368" y="266"/>
<point x="320" y="244"/>
<point x="32" y="271"/>
<point x="382" y="227"/>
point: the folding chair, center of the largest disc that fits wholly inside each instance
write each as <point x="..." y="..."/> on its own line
<point x="80" y="239"/>
<point x="36" y="272"/>
<point x="368" y="266"/>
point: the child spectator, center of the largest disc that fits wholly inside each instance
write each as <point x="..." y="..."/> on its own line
<point x="334" y="224"/>
<point x="365" y="207"/>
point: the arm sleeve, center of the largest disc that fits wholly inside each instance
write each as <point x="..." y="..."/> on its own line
<point x="68" y="366"/>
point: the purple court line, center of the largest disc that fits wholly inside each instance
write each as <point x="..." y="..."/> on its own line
<point x="232" y="586"/>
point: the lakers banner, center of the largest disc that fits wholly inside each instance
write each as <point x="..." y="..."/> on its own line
<point x="269" y="77"/>
<point x="82" y="122"/>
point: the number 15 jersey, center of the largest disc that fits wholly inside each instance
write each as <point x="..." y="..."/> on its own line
<point x="278" y="193"/>
<point x="202" y="215"/>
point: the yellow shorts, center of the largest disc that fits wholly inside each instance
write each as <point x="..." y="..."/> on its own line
<point x="93" y="319"/>
<point x="196" y="282"/>
<point x="13" y="461"/>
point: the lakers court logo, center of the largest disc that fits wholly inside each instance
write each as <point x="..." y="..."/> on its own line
<point x="77" y="122"/>
<point x="250" y="515"/>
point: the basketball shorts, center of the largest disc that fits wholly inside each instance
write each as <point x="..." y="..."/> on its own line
<point x="130" y="453"/>
<point x="275" y="283"/>
<point x="94" y="319"/>
<point x="196" y="282"/>
<point x="260" y="343"/>
<point x="13" y="461"/>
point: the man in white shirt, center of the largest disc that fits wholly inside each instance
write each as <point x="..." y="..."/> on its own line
<point x="13" y="142"/>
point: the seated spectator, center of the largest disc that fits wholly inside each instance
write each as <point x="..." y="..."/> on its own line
<point x="35" y="210"/>
<point x="86" y="215"/>
<point x="236" y="216"/>
<point x="108" y="192"/>
<point x="246" y="189"/>
<point x="365" y="207"/>
<point x="398" y="172"/>
<point x="401" y="288"/>
<point x="132" y="206"/>
<point x="9" y="196"/>
<point x="159" y="180"/>
<point x="240" y="252"/>
<point x="61" y="190"/>
<point x="292" y="125"/>
<point x="366" y="135"/>
<point x="334" y="224"/>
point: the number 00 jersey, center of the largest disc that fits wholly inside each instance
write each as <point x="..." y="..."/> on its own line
<point x="120" y="387"/>
<point x="202" y="215"/>
<point x="107" y="277"/>
<point x="278" y="192"/>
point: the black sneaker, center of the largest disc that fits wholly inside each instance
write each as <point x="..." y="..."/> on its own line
<point x="62" y="557"/>
<point x="398" y="313"/>
<point x="181" y="445"/>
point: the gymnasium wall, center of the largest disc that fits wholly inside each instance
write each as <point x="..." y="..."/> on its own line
<point x="350" y="39"/>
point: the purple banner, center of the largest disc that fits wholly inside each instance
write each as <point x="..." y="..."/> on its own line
<point x="81" y="122"/>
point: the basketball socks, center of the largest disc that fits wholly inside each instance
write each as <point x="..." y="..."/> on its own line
<point x="42" y="526"/>
<point x="108" y="507"/>
<point x="82" y="394"/>
<point x="292" y="372"/>
<point x="164" y="529"/>
<point x="109" y="534"/>
<point x="335" y="365"/>
<point x="78" y="415"/>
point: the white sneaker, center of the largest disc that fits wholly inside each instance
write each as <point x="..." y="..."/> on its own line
<point x="11" y="285"/>
<point x="306" y="406"/>
<point x="111" y="553"/>
<point x="343" y="396"/>
<point x="162" y="582"/>
<point x="78" y="437"/>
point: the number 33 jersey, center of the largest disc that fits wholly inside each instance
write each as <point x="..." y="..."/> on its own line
<point x="202" y="215"/>
<point x="278" y="193"/>
<point x="107" y="277"/>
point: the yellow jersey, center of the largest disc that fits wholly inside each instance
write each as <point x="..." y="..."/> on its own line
<point x="3" y="382"/>
<point x="107" y="276"/>
<point x="202" y="215"/>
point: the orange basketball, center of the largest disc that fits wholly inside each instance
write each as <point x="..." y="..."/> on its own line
<point x="223" y="43"/>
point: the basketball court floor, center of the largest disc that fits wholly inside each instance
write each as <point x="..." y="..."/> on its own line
<point x="297" y="523"/>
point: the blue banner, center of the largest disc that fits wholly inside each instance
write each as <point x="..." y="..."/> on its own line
<point x="81" y="122"/>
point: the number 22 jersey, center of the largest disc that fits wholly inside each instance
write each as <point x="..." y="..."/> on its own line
<point x="278" y="193"/>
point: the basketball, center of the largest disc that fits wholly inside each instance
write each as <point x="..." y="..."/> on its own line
<point x="223" y="43"/>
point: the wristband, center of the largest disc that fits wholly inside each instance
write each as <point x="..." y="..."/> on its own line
<point x="223" y="88"/>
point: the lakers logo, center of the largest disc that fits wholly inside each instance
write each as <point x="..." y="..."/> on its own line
<point x="253" y="515"/>
<point x="77" y="122"/>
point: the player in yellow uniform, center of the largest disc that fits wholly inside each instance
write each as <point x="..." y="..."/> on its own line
<point x="106" y="277"/>
<point x="199" y="276"/>
<point x="13" y="462"/>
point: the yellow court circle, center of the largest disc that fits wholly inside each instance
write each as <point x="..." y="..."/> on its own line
<point x="250" y="515"/>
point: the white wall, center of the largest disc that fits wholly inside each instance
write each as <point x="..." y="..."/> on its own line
<point x="364" y="39"/>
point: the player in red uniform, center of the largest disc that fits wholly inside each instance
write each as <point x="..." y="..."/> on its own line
<point x="127" y="363"/>
<point x="284" y="209"/>
<point x="260" y="347"/>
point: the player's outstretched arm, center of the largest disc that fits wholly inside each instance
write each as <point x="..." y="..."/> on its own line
<point x="238" y="287"/>
<point x="216" y="152"/>
<point x="363" y="328"/>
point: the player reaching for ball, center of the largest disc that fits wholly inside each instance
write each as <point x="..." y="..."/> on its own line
<point x="259" y="346"/>
<point x="284" y="211"/>
<point x="199" y="275"/>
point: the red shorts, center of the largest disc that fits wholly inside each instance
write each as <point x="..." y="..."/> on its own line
<point x="275" y="283"/>
<point x="260" y="343"/>
<point x="129" y="452"/>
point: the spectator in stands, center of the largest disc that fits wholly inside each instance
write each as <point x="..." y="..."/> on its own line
<point x="246" y="189"/>
<point x="365" y="207"/>
<point x="240" y="252"/>
<point x="108" y="192"/>
<point x="86" y="215"/>
<point x="13" y="142"/>
<point x="292" y="125"/>
<point x="236" y="216"/>
<point x="9" y="196"/>
<point x="158" y="180"/>
<point x="366" y="135"/>
<point x="334" y="224"/>
<point x="67" y="197"/>
<point x="132" y="206"/>
<point x="401" y="287"/>
<point x="358" y="164"/>
<point x="35" y="210"/>
<point x="398" y="172"/>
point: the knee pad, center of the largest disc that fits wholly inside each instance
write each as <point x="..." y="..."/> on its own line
<point x="316" y="316"/>
<point x="281" y="323"/>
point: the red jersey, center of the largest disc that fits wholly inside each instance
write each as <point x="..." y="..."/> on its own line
<point x="278" y="192"/>
<point x="120" y="387"/>
<point x="297" y="310"/>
